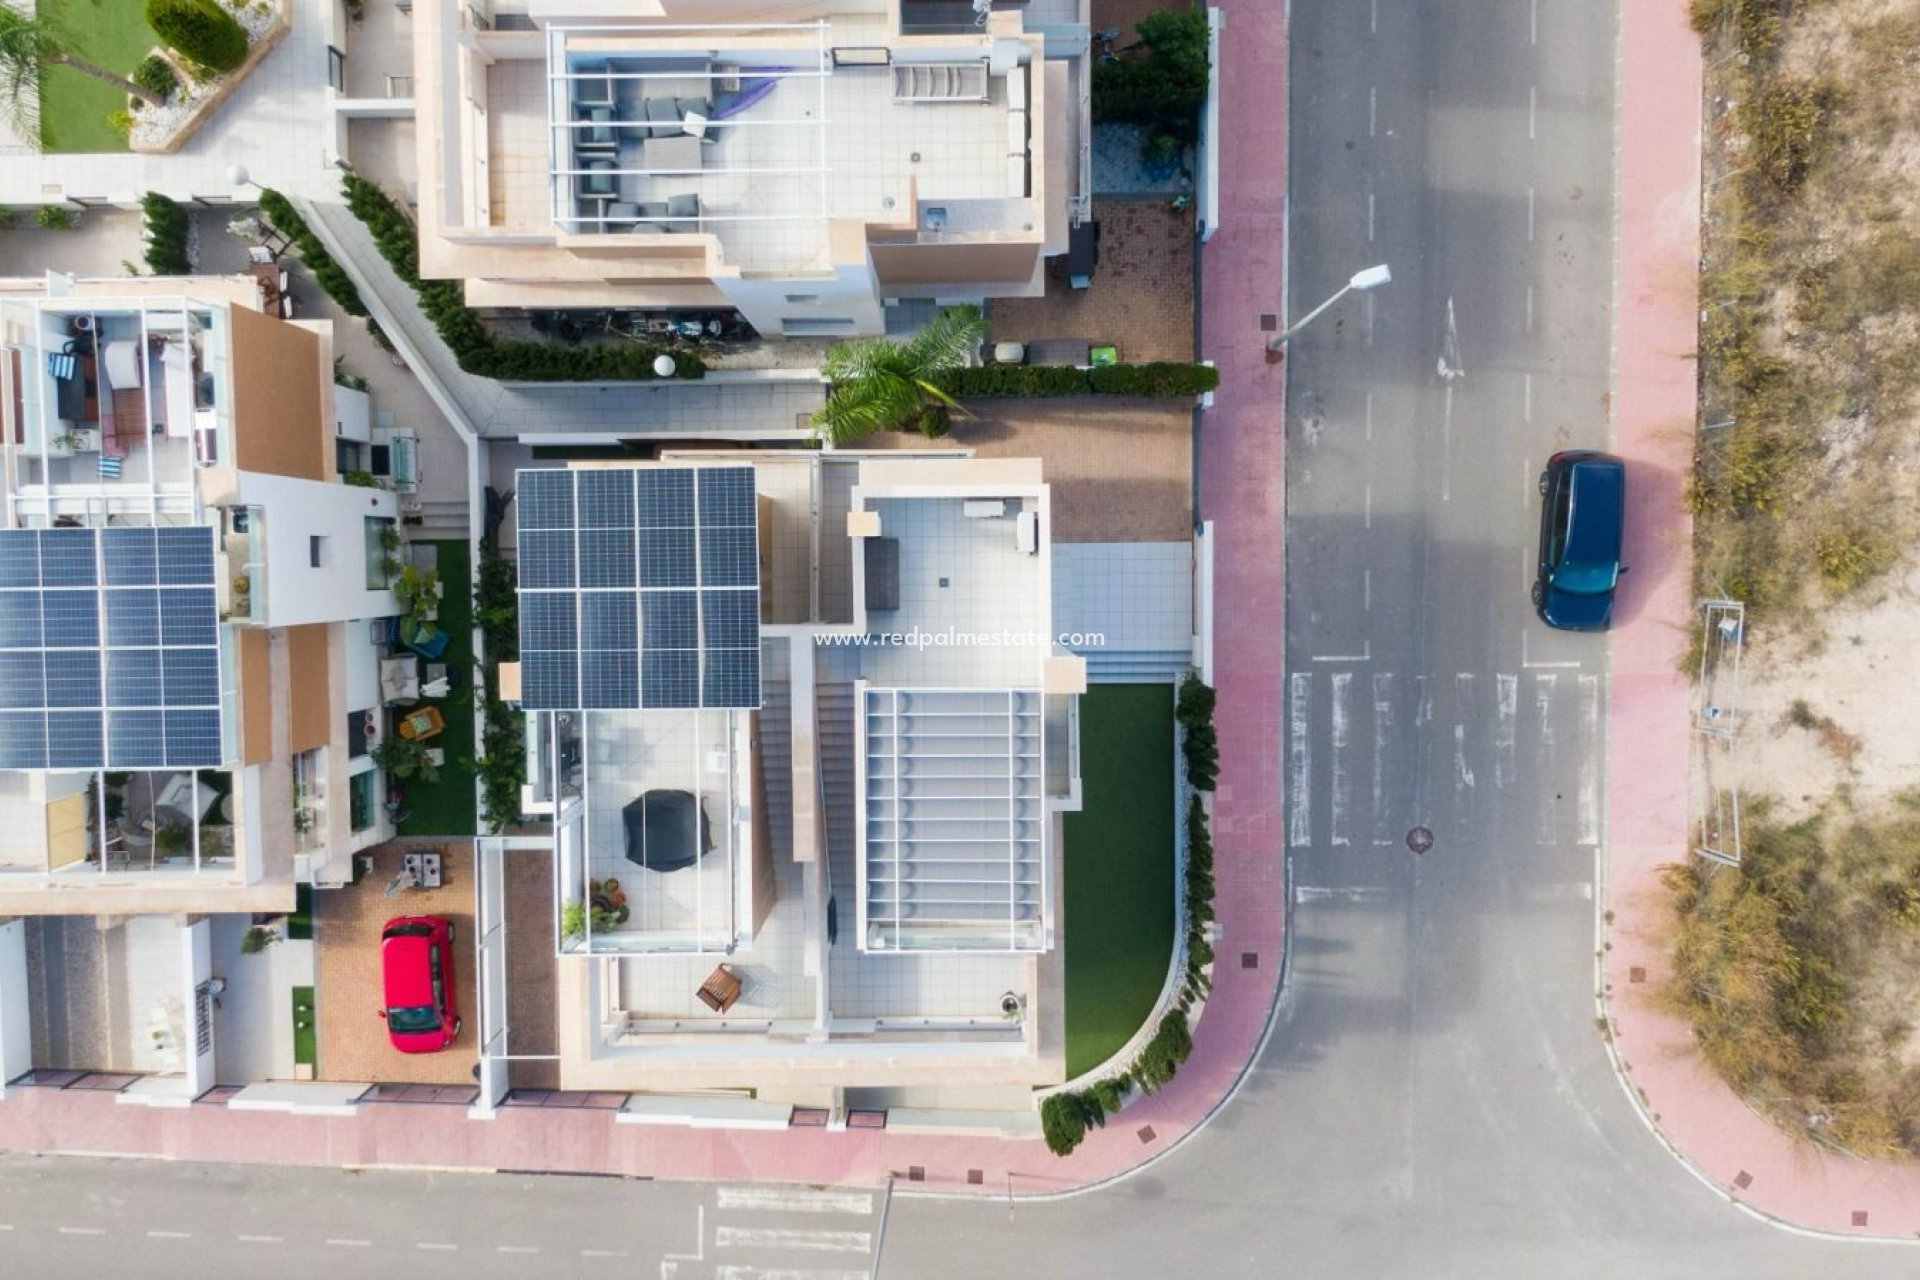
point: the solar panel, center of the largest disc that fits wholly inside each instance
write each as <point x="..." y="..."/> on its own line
<point x="109" y="649"/>
<point x="639" y="588"/>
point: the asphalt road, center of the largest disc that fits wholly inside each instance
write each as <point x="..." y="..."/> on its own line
<point x="1435" y="1100"/>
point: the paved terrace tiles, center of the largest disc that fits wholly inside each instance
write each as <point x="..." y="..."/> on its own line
<point x="1649" y="724"/>
<point x="1243" y="485"/>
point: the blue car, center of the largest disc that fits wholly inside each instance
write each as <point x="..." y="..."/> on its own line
<point x="1582" y="522"/>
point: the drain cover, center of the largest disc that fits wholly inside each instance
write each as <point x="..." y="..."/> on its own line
<point x="1419" y="839"/>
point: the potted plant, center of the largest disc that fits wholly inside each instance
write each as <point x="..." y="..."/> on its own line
<point x="405" y="758"/>
<point x="573" y="921"/>
<point x="258" y="939"/>
<point x="1012" y="1006"/>
<point x="172" y="838"/>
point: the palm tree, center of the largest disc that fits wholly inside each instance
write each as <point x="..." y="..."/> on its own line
<point x="879" y="383"/>
<point x="29" y="44"/>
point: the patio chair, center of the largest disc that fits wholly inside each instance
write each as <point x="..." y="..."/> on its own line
<point x="421" y="725"/>
<point x="720" y="990"/>
<point x="598" y="135"/>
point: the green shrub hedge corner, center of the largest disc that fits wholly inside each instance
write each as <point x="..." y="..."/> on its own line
<point x="167" y="225"/>
<point x="330" y="275"/>
<point x="1165" y="379"/>
<point x="201" y="31"/>
<point x="478" y="351"/>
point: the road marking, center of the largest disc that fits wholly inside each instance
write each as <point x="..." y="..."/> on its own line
<point x="1533" y="112"/>
<point x="516" y="1248"/>
<point x="1529" y="237"/>
<point x="1543" y="690"/>
<point x="436" y="1246"/>
<point x="1338" y="893"/>
<point x="1562" y="891"/>
<point x="1373" y="111"/>
<point x="1299" y="759"/>
<point x="1369" y="217"/>
<point x="83" y="1231"/>
<point x="1506" y="700"/>
<point x="170" y="1235"/>
<point x="603" y="1253"/>
<point x="1382" y="731"/>
<point x="780" y="1238"/>
<point x="1462" y="774"/>
<point x="345" y="1243"/>
<point x="1366" y="590"/>
<point x="1367" y="511"/>
<point x="785" y="1273"/>
<point x="261" y="1239"/>
<point x="1423" y="710"/>
<point x="1589" y="774"/>
<point x="1526" y="396"/>
<point x="1342" y="783"/>
<point x="1529" y="663"/>
<point x="1365" y="655"/>
<point x="794" y="1200"/>
<point x="1373" y="17"/>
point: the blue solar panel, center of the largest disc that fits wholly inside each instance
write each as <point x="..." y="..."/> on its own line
<point x="549" y="680"/>
<point x="192" y="736"/>
<point x="610" y="681"/>
<point x="666" y="558"/>
<point x="729" y="619"/>
<point x="131" y="558"/>
<point x="71" y="619"/>
<point x="20" y="619"/>
<point x="73" y="679"/>
<point x="671" y="678"/>
<point x="67" y="558"/>
<point x="606" y="558"/>
<point x="669" y="620"/>
<point x="547" y="621"/>
<point x="23" y="680"/>
<point x="666" y="497"/>
<point x="136" y="740"/>
<point x="730" y="678"/>
<point x="19" y="558"/>
<point x="191" y="678"/>
<point x="133" y="678"/>
<point x="606" y="499"/>
<point x="545" y="499"/>
<point x="729" y="558"/>
<point x="546" y="560"/>
<point x="726" y="497"/>
<point x="607" y="620"/>
<point x="188" y="617"/>
<point x="186" y="556"/>
<point x="75" y="739"/>
<point x="23" y="740"/>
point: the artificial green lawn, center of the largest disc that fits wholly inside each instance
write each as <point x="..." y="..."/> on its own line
<point x="304" y="1033"/>
<point x="446" y="807"/>
<point x="74" y="108"/>
<point x="1119" y="869"/>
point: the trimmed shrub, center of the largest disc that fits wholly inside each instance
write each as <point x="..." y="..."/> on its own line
<point x="1156" y="379"/>
<point x="53" y="217"/>
<point x="1198" y="743"/>
<point x="167" y="224"/>
<point x="1172" y="1044"/>
<point x="330" y="275"/>
<point x="1066" y="1117"/>
<point x="1167" y="84"/>
<point x="200" y="31"/>
<point x="155" y="75"/>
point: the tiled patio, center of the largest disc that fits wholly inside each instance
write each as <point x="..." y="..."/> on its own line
<point x="346" y="930"/>
<point x="1120" y="468"/>
<point x="1141" y="298"/>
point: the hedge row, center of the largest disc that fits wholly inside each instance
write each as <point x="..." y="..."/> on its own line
<point x="467" y="336"/>
<point x="329" y="274"/>
<point x="1066" y="1117"/>
<point x="1155" y="379"/>
<point x="203" y="33"/>
<point x="167" y="224"/>
<point x="1198" y="744"/>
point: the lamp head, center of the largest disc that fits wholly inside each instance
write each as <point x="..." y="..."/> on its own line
<point x="1371" y="278"/>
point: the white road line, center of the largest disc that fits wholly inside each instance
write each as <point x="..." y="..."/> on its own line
<point x="1423" y="705"/>
<point x="1533" y="112"/>
<point x="1506" y="700"/>
<point x="1382" y="731"/>
<point x="1299" y="759"/>
<point x="1543" y="690"/>
<point x="261" y="1239"/>
<point x="784" y="1273"/>
<point x="794" y="1200"/>
<point x="1369" y="217"/>
<point x="169" y="1235"/>
<point x="1462" y="774"/>
<point x="1563" y="891"/>
<point x="1373" y="111"/>
<point x="1526" y="396"/>
<point x="1373" y="17"/>
<point x="1367" y="511"/>
<point x="1338" y="893"/>
<point x="780" y="1238"/>
<point x="436" y="1246"/>
<point x="1528" y="662"/>
<point x="344" y="1243"/>
<point x="1589" y="760"/>
<point x="516" y="1248"/>
<point x="83" y="1231"/>
<point x="1529" y="237"/>
<point x="1342" y="783"/>
<point x="603" y="1253"/>
<point x="1365" y="655"/>
<point x="1366" y="590"/>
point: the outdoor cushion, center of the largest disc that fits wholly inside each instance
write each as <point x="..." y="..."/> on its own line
<point x="663" y="115"/>
<point x="684" y="206"/>
<point x="598" y="180"/>
<point x="598" y="135"/>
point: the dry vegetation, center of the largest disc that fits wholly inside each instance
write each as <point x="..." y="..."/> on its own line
<point x="1801" y="970"/>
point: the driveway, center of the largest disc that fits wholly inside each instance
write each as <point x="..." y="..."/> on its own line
<point x="346" y="932"/>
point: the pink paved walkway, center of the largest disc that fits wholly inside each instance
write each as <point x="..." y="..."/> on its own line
<point x="1654" y="400"/>
<point x="1243" y="488"/>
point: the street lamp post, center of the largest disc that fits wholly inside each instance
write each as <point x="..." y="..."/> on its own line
<point x="1371" y="278"/>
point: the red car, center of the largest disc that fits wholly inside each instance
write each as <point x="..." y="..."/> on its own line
<point x="416" y="963"/>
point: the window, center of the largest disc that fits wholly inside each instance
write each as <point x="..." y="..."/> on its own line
<point x="803" y="299"/>
<point x="317" y="550"/>
<point x="810" y="326"/>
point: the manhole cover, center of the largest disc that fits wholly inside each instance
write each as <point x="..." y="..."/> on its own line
<point x="1419" y="839"/>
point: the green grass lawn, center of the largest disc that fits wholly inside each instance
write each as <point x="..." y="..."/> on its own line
<point x="1119" y="869"/>
<point x="446" y="807"/>
<point x="74" y="108"/>
<point x="304" y="1045"/>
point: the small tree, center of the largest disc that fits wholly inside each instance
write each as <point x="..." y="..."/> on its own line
<point x="405" y="758"/>
<point x="258" y="939"/>
<point x="879" y="384"/>
<point x="201" y="31"/>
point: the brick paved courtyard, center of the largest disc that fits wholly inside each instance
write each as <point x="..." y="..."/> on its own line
<point x="1141" y="298"/>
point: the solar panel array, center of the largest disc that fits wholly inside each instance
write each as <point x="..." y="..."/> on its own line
<point x="109" y="649"/>
<point x="639" y="588"/>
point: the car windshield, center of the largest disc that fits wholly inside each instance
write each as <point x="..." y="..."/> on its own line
<point x="414" y="1020"/>
<point x="1577" y="579"/>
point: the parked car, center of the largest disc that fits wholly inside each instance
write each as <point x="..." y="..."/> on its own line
<point x="1582" y="521"/>
<point x="416" y="968"/>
